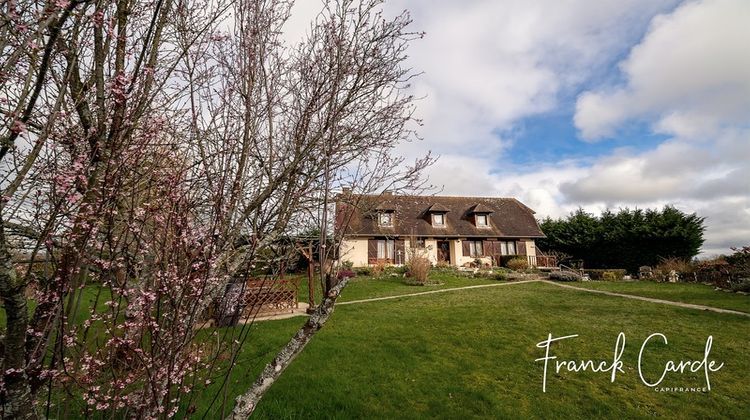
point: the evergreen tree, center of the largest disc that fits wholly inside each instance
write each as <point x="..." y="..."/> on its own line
<point x="626" y="239"/>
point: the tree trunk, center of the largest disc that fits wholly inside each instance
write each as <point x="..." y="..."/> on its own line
<point x="18" y="402"/>
<point x="247" y="402"/>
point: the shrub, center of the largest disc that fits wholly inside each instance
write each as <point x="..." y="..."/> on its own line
<point x="499" y="276"/>
<point x="347" y="264"/>
<point x="378" y="269"/>
<point x="608" y="274"/>
<point x="418" y="270"/>
<point x="742" y="286"/>
<point x="363" y="271"/>
<point x="645" y="272"/>
<point x="445" y="265"/>
<point x="345" y="273"/>
<point x="739" y="262"/>
<point x="396" y="269"/>
<point x="517" y="263"/>
<point x="681" y="267"/>
<point x="564" y="276"/>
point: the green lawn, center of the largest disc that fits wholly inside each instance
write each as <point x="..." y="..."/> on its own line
<point x="471" y="354"/>
<point x="695" y="293"/>
<point x="393" y="285"/>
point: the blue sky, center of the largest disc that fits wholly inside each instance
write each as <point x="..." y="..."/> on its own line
<point x="592" y="104"/>
<point x="555" y="137"/>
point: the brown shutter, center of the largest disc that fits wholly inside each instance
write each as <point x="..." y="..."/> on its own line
<point x="487" y="248"/>
<point x="521" y="248"/>
<point x="372" y="251"/>
<point x="399" y="250"/>
<point x="465" y="247"/>
<point x="493" y="250"/>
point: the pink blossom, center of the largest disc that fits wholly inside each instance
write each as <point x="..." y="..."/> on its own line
<point x="18" y="127"/>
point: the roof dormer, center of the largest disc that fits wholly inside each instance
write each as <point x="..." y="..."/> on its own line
<point x="437" y="213"/>
<point x="385" y="218"/>
<point x="480" y="214"/>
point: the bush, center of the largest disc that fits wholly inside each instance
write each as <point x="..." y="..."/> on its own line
<point x="363" y="271"/>
<point x="742" y="286"/>
<point x="517" y="263"/>
<point x="345" y="273"/>
<point x="739" y="262"/>
<point x="378" y="269"/>
<point x="500" y="275"/>
<point x="564" y="276"/>
<point x="347" y="264"/>
<point x="608" y="274"/>
<point x="418" y="270"/>
<point x="682" y="268"/>
<point x="396" y="269"/>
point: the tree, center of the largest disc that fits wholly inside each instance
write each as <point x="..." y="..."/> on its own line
<point x="153" y="150"/>
<point x="626" y="239"/>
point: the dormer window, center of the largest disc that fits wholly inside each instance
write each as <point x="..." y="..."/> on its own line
<point x="436" y="214"/>
<point x="481" y="214"/>
<point x="385" y="219"/>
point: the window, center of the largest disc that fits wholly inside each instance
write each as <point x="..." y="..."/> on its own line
<point x="385" y="249"/>
<point x="482" y="220"/>
<point x="386" y="219"/>
<point x="507" y="248"/>
<point x="419" y="243"/>
<point x="438" y="220"/>
<point x="475" y="248"/>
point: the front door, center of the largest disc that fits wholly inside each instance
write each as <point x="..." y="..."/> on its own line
<point x="444" y="251"/>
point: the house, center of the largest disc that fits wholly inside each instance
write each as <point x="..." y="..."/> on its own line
<point x="457" y="231"/>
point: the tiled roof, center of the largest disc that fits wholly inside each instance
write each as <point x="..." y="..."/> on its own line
<point x="480" y="208"/>
<point x="438" y="208"/>
<point x="508" y="217"/>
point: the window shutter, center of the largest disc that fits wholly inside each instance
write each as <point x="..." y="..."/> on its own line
<point x="521" y="248"/>
<point x="497" y="254"/>
<point x="372" y="251"/>
<point x="487" y="248"/>
<point x="465" y="247"/>
<point x="400" y="254"/>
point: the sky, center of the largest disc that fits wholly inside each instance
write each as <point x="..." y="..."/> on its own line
<point x="568" y="104"/>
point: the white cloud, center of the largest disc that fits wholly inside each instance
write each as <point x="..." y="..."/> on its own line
<point x="690" y="73"/>
<point x="689" y="77"/>
<point x="488" y="64"/>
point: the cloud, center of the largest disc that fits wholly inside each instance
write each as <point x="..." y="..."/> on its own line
<point x="690" y="74"/>
<point x="690" y="78"/>
<point x="488" y="64"/>
<point x="682" y="68"/>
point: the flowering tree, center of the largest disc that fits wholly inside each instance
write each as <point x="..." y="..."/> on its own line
<point x="149" y="151"/>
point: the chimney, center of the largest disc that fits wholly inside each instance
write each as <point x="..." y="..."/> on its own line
<point x="387" y="193"/>
<point x="346" y="190"/>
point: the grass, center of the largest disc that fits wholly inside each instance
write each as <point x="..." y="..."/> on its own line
<point x="85" y="298"/>
<point x="264" y="339"/>
<point x="699" y="294"/>
<point x="387" y="285"/>
<point x="472" y="354"/>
